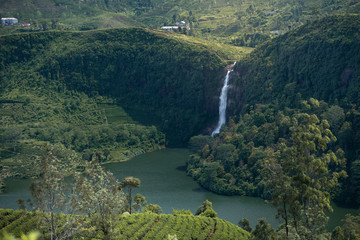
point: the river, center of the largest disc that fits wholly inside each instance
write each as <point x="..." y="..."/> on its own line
<point x="164" y="182"/>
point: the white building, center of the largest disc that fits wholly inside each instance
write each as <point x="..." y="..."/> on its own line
<point x="169" y="28"/>
<point x="9" y="21"/>
<point x="180" y="24"/>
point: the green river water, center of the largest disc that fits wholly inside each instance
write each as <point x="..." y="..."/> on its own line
<point x="164" y="182"/>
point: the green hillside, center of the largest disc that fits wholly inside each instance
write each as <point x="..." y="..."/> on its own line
<point x="240" y="23"/>
<point x="137" y="226"/>
<point x="320" y="60"/>
<point x="309" y="73"/>
<point x="107" y="90"/>
<point x="70" y="15"/>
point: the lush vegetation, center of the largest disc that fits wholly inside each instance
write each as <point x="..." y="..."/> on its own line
<point x="319" y="60"/>
<point x="293" y="133"/>
<point x="241" y="23"/>
<point x="100" y="198"/>
<point x="269" y="89"/>
<point x="180" y="225"/>
<point x="140" y="225"/>
<point x="233" y="161"/>
<point x="142" y="70"/>
<point x="289" y="157"/>
<point x="106" y="92"/>
<point x="297" y="153"/>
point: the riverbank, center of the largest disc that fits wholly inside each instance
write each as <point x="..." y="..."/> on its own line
<point x="164" y="182"/>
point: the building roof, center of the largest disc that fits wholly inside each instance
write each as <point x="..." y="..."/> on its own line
<point x="4" y="19"/>
<point x="169" y="27"/>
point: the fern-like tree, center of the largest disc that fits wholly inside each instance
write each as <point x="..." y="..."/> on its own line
<point x="97" y="193"/>
<point x="130" y="183"/>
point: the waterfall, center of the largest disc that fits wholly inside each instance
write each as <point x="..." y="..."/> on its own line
<point x="223" y="102"/>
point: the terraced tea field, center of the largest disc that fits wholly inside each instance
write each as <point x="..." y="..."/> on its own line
<point x="139" y="226"/>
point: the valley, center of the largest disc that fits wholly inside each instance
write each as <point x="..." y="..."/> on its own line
<point x="98" y="82"/>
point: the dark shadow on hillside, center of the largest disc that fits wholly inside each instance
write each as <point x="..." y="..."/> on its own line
<point x="6" y="153"/>
<point x="142" y="116"/>
<point x="150" y="118"/>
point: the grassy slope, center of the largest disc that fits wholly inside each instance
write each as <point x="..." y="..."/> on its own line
<point x="69" y="14"/>
<point x="226" y="52"/>
<point x="223" y="18"/>
<point x="140" y="226"/>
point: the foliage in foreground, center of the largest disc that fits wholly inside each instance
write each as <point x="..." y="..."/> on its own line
<point x="98" y="194"/>
<point x="49" y="192"/>
<point x="135" y="226"/>
<point x="289" y="157"/>
<point x="263" y="231"/>
<point x="95" y="193"/>
<point x="99" y="197"/>
<point x="30" y="236"/>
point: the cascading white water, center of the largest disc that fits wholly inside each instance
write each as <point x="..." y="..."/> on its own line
<point x="223" y="103"/>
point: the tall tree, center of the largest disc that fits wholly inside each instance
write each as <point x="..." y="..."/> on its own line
<point x="98" y="194"/>
<point x="49" y="193"/>
<point x="139" y="202"/>
<point x="206" y="210"/>
<point x="351" y="226"/>
<point x="263" y="231"/>
<point x="297" y="172"/>
<point x="245" y="224"/>
<point x="130" y="183"/>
